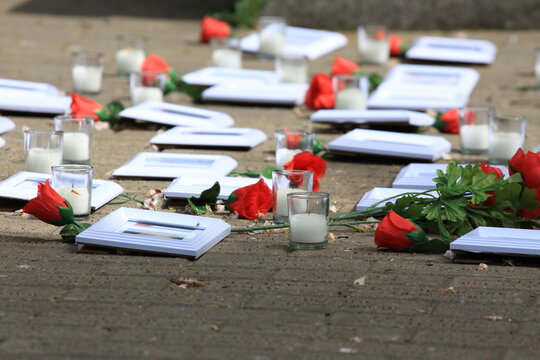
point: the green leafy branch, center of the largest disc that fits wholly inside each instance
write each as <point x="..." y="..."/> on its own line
<point x="245" y="13"/>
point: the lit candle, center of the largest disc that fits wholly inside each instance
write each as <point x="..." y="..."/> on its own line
<point x="308" y="228"/>
<point x="271" y="43"/>
<point x="504" y="145"/>
<point x="474" y="137"/>
<point x="76" y="147"/>
<point x="283" y="156"/>
<point x="87" y="78"/>
<point x="227" y="58"/>
<point x="140" y="94"/>
<point x="374" y="51"/>
<point x="281" y="208"/>
<point x="350" y="98"/>
<point x="129" y="60"/>
<point x="79" y="199"/>
<point x="40" y="160"/>
<point x="293" y="72"/>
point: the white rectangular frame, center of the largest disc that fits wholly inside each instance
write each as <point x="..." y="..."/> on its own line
<point x="286" y="94"/>
<point x="244" y="138"/>
<point x="188" y="186"/>
<point x="436" y="48"/>
<point x="6" y="124"/>
<point x="498" y="240"/>
<point x="377" y="194"/>
<point x="333" y="116"/>
<point x="213" y="75"/>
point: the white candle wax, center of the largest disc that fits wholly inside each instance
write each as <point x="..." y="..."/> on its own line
<point x="76" y="147"/>
<point x="228" y="58"/>
<point x="271" y="43"/>
<point x="375" y="51"/>
<point x="87" y="78"/>
<point x="474" y="137"/>
<point x="129" y="60"/>
<point x="308" y="228"/>
<point x="79" y="199"/>
<point x="351" y="98"/>
<point x="504" y="145"/>
<point x="283" y="156"/>
<point x="140" y="94"/>
<point x="537" y="72"/>
<point x="281" y="207"/>
<point x="293" y="72"/>
<point x="40" y="160"/>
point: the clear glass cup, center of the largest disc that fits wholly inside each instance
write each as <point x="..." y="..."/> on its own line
<point x="351" y="91"/>
<point x="474" y="129"/>
<point x="87" y="72"/>
<point x="308" y="220"/>
<point x="131" y="53"/>
<point x="226" y="52"/>
<point x="506" y="136"/>
<point x="42" y="150"/>
<point x="77" y="137"/>
<point x="373" y="44"/>
<point x="74" y="183"/>
<point x="271" y="30"/>
<point x="285" y="182"/>
<point x="146" y="86"/>
<point x="290" y="142"/>
<point x="292" y="68"/>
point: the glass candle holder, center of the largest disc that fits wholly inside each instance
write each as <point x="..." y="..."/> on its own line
<point x="74" y="183"/>
<point x="286" y="182"/>
<point x="130" y="55"/>
<point x="42" y="150"/>
<point x="292" y="68"/>
<point x="146" y="86"/>
<point x="226" y="52"/>
<point x="506" y="136"/>
<point x="351" y="92"/>
<point x="474" y="129"/>
<point x="308" y="220"/>
<point x="290" y="142"/>
<point x="271" y="30"/>
<point x="537" y="66"/>
<point x="77" y="138"/>
<point x="87" y="72"/>
<point x="373" y="44"/>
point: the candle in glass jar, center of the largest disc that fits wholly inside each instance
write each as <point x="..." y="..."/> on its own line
<point x="504" y="145"/>
<point x="293" y="72"/>
<point x="283" y="156"/>
<point x="308" y="228"/>
<point x="87" y="78"/>
<point x="375" y="51"/>
<point x="76" y="147"/>
<point x="40" y="160"/>
<point x="271" y="43"/>
<point x="474" y="137"/>
<point x="129" y="60"/>
<point x="78" y="198"/>
<point x="228" y="58"/>
<point x="350" y="99"/>
<point x="141" y="94"/>
<point x="281" y="207"/>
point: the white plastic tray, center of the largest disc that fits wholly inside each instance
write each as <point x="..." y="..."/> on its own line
<point x="386" y="143"/>
<point x="452" y="50"/>
<point x="204" y="137"/>
<point x="210" y="76"/>
<point x="188" y="186"/>
<point x="173" y="165"/>
<point x="6" y="125"/>
<point x="413" y="118"/>
<point x="378" y="194"/>
<point x="499" y="241"/>
<point x="278" y="94"/>
<point x="177" y="115"/>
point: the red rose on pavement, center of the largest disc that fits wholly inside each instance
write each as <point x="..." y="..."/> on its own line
<point x="253" y="200"/>
<point x="529" y="167"/>
<point x="156" y="64"/>
<point x="211" y="27"/>
<point x="306" y="160"/>
<point x="320" y="94"/>
<point x="397" y="46"/>
<point x="448" y="122"/>
<point x="49" y="206"/>
<point x="397" y="233"/>
<point x="516" y="162"/>
<point x="343" y="66"/>
<point x="82" y="106"/>
<point x="491" y="169"/>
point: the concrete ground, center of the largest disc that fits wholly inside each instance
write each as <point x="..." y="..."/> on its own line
<point x="261" y="300"/>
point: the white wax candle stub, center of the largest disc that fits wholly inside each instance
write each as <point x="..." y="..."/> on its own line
<point x="41" y="160"/>
<point x="351" y="99"/>
<point x="504" y="145"/>
<point x="87" y="78"/>
<point x="537" y="72"/>
<point x="141" y="94"/>
<point x="78" y="197"/>
<point x="227" y="58"/>
<point x="293" y="73"/>
<point x="76" y="146"/>
<point x="281" y="207"/>
<point x="271" y="43"/>
<point x="129" y="60"/>
<point x="375" y="51"/>
<point x="283" y="156"/>
<point x="474" y="137"/>
<point x="308" y="228"/>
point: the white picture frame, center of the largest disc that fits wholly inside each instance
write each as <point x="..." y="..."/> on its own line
<point x="155" y="232"/>
<point x="177" y="115"/>
<point x="387" y="143"/>
<point x="173" y="165"/>
<point x="235" y="138"/>
<point x="436" y="48"/>
<point x="20" y="86"/>
<point x="498" y="240"/>
<point x="359" y="117"/>
<point x="378" y="194"/>
<point x="6" y="124"/>
<point x="286" y="94"/>
<point x="29" y="102"/>
<point x="188" y="186"/>
<point x="421" y="87"/>
<point x="213" y="75"/>
<point x="310" y="43"/>
<point x="23" y="186"/>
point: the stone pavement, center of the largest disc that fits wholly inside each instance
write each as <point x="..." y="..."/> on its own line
<point x="261" y="301"/>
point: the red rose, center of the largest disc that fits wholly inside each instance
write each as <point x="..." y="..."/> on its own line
<point x="530" y="170"/>
<point x="343" y="66"/>
<point x="397" y="46"/>
<point x="253" y="200"/>
<point x="491" y="169"/>
<point x="320" y="94"/>
<point x="516" y="162"/>
<point x="306" y="160"/>
<point x="448" y="122"/>
<point x="397" y="233"/>
<point x="213" y="28"/>
<point x="156" y="64"/>
<point x="49" y="206"/>
<point x="82" y="106"/>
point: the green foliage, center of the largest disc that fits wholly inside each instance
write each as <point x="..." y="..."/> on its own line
<point x="208" y="197"/>
<point x="69" y="231"/>
<point x="111" y="113"/>
<point x="193" y="91"/>
<point x="267" y="172"/>
<point x="318" y="146"/>
<point x="245" y="13"/>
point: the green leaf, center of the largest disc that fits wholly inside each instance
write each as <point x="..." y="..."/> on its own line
<point x="199" y="209"/>
<point x="66" y="215"/>
<point x="318" y="146"/>
<point x="111" y="113"/>
<point x="251" y="174"/>
<point x="208" y="196"/>
<point x="516" y="197"/>
<point x="434" y="246"/>
<point x="247" y="12"/>
<point x="374" y="81"/>
<point x="69" y="231"/>
<point x="232" y="198"/>
<point x="453" y="210"/>
<point x="193" y="91"/>
<point x="516" y="178"/>
<point x="267" y="172"/>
